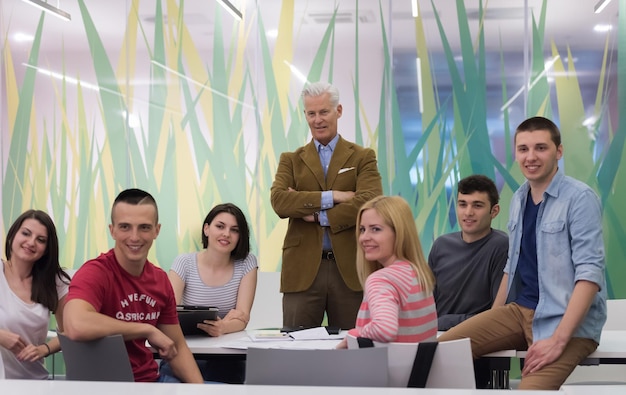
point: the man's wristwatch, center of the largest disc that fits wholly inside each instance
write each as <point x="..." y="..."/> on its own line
<point x="316" y="216"/>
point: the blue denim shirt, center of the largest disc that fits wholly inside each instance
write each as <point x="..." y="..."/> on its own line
<point x="570" y="248"/>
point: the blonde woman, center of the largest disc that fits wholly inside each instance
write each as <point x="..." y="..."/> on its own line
<point x="398" y="303"/>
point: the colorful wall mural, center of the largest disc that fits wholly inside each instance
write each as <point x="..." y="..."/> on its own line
<point x="178" y="98"/>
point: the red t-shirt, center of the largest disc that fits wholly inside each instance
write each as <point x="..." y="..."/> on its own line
<point x="112" y="291"/>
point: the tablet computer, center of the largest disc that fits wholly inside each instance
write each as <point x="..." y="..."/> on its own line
<point x="190" y="316"/>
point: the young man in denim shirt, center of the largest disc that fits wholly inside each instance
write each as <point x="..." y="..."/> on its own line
<point x="552" y="299"/>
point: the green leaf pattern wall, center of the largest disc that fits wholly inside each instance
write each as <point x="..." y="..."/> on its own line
<point x="202" y="119"/>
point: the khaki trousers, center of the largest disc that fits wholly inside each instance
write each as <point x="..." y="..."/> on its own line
<point x="510" y="327"/>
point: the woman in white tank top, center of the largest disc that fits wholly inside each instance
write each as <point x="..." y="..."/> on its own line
<point x="32" y="285"/>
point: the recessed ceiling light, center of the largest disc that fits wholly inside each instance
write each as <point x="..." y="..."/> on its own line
<point x="23" y="37"/>
<point x="601" y="6"/>
<point x="271" y="33"/>
<point x="44" y="6"/>
<point x="602" y="28"/>
<point x="232" y="9"/>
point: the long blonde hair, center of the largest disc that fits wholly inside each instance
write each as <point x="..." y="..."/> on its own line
<point x="397" y="214"/>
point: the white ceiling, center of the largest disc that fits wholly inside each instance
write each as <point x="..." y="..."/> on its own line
<point x="568" y="21"/>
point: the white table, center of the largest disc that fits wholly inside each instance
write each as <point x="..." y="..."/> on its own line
<point x="237" y="343"/>
<point x="206" y="345"/>
<point x="594" y="389"/>
<point x="60" y="387"/>
<point x="611" y="350"/>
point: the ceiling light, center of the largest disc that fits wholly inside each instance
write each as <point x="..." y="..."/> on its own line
<point x="601" y="6"/>
<point x="420" y="93"/>
<point x="44" y="6"/>
<point x="602" y="28"/>
<point x="414" y="9"/>
<point x="232" y="10"/>
<point x="23" y="37"/>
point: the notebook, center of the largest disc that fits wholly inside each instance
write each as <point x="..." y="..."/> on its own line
<point x="190" y="316"/>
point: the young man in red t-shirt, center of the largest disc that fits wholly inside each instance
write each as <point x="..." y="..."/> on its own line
<point x="121" y="292"/>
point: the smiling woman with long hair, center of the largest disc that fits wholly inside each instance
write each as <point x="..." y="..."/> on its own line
<point x="398" y="303"/>
<point x="32" y="285"/>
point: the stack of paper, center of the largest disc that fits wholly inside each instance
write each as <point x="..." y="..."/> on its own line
<point x="269" y="335"/>
<point x="318" y="333"/>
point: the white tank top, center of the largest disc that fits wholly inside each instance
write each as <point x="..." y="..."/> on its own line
<point x="30" y="321"/>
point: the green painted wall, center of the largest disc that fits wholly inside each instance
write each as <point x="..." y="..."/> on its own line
<point x="159" y="111"/>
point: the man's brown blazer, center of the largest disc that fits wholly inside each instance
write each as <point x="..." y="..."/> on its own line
<point x="351" y="168"/>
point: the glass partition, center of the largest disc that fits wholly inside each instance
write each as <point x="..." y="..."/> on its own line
<point x="186" y="101"/>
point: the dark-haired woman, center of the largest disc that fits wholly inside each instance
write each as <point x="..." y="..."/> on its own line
<point x="32" y="285"/>
<point x="223" y="275"/>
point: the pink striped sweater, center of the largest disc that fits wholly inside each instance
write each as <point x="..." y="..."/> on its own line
<point x="394" y="307"/>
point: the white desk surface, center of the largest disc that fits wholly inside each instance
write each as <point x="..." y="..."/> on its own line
<point x="238" y="343"/>
<point x="215" y="345"/>
<point x="594" y="389"/>
<point x="61" y="387"/>
<point x="612" y="346"/>
<point x="496" y="354"/>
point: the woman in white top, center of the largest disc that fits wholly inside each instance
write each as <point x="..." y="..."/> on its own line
<point x="223" y="275"/>
<point x="32" y="284"/>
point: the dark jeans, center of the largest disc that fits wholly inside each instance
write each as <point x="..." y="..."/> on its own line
<point x="220" y="369"/>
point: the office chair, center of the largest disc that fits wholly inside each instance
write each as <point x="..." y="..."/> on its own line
<point x="354" y="368"/>
<point x="452" y="365"/>
<point x="104" y="359"/>
<point x="267" y="308"/>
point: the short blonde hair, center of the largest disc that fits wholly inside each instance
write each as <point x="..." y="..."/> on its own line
<point x="397" y="214"/>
